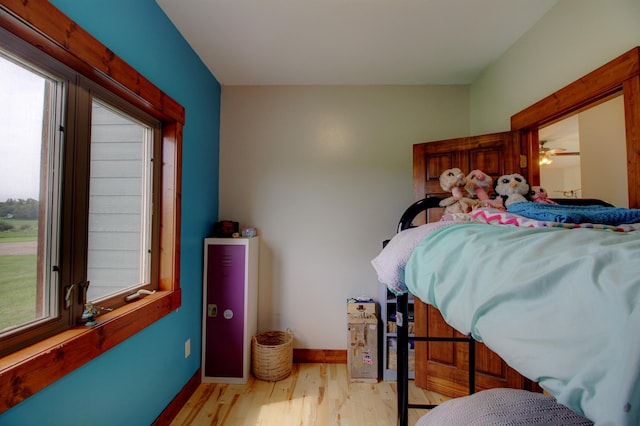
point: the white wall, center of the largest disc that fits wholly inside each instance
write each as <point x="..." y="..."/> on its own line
<point x="572" y="39"/>
<point x="558" y="180"/>
<point x="600" y="132"/>
<point x="324" y="173"/>
<point x="603" y="151"/>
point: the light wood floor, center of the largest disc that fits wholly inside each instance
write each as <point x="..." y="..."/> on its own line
<point x="314" y="394"/>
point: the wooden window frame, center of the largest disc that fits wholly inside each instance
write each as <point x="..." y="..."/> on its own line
<point x="27" y="371"/>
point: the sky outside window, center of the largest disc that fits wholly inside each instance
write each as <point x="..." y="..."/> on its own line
<point x="21" y="103"/>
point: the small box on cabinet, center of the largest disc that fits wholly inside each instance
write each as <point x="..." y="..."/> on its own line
<point x="361" y="305"/>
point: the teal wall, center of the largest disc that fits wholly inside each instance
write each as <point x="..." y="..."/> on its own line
<point x="132" y="383"/>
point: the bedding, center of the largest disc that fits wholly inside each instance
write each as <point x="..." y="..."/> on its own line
<point x="503" y="407"/>
<point x="561" y="306"/>
<point x="390" y="263"/>
<point x="501" y="217"/>
<point x="576" y="214"/>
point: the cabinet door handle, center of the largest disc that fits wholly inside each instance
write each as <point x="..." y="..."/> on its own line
<point x="212" y="310"/>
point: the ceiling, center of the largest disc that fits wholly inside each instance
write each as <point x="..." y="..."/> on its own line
<point x="351" y="42"/>
<point x="565" y="135"/>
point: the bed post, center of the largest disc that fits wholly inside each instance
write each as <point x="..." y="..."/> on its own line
<point x="402" y="351"/>
<point x="472" y="365"/>
<point x="402" y="336"/>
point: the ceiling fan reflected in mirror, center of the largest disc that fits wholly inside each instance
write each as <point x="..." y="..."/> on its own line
<point x="547" y="153"/>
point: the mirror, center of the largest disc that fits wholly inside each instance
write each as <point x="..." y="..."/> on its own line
<point x="619" y="78"/>
<point x="584" y="155"/>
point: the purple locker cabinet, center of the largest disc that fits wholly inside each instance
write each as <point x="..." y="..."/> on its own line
<point x="230" y="296"/>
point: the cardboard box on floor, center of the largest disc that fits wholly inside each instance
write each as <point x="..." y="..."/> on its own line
<point x="362" y="352"/>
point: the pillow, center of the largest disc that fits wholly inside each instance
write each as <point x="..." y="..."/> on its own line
<point x="500" y="217"/>
<point x="502" y="407"/>
<point x="391" y="261"/>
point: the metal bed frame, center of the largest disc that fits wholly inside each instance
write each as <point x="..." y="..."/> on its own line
<point x="402" y="303"/>
<point x="402" y="306"/>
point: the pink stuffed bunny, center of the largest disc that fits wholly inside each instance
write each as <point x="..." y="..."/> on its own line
<point x="539" y="195"/>
<point x="479" y="184"/>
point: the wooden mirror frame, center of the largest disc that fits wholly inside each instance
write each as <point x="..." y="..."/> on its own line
<point x="621" y="75"/>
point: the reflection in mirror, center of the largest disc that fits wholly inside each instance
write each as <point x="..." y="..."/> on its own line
<point x="584" y="155"/>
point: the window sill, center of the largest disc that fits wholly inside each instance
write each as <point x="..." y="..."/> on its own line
<point x="27" y="371"/>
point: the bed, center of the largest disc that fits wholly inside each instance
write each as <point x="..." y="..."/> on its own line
<point x="554" y="291"/>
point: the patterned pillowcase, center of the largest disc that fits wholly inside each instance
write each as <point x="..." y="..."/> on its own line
<point x="500" y="217"/>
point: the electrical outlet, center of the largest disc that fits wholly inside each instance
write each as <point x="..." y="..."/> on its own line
<point x="187" y="348"/>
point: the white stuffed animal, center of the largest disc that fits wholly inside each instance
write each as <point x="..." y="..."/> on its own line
<point x="512" y="188"/>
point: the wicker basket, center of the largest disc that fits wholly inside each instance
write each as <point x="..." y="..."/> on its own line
<point x="272" y="355"/>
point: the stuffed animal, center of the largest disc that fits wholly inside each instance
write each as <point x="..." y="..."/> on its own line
<point x="478" y="185"/>
<point x="512" y="188"/>
<point x="453" y="180"/>
<point x="539" y="195"/>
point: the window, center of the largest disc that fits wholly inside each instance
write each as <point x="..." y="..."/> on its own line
<point x="30" y="116"/>
<point x="78" y="191"/>
<point x="93" y="154"/>
<point x="120" y="204"/>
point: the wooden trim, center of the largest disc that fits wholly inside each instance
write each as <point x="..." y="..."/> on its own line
<point x="631" y="89"/>
<point x="171" y="202"/>
<point x="619" y="75"/>
<point x="25" y="372"/>
<point x="599" y="83"/>
<point x="419" y="185"/>
<point x="327" y="356"/>
<point x="171" y="411"/>
<point x="419" y="189"/>
<point x="63" y="39"/>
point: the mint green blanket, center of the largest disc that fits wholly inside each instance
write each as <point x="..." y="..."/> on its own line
<point x="560" y="306"/>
